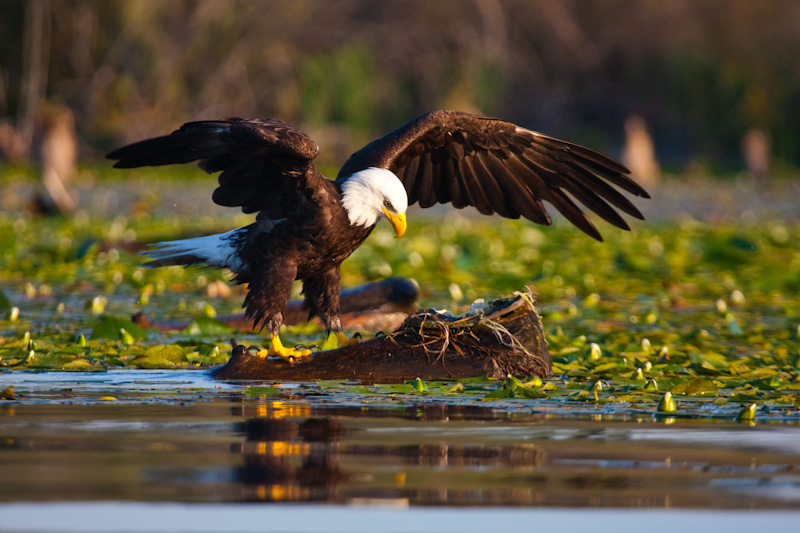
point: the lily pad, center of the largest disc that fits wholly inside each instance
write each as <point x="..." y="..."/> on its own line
<point x="695" y="387"/>
<point x="108" y="327"/>
<point x="77" y="364"/>
<point x="269" y="392"/>
<point x="206" y="326"/>
<point x="5" y="303"/>
<point x="161" y="356"/>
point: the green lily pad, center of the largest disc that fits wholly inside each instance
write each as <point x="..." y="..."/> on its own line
<point x="5" y="303"/>
<point x="206" y="326"/>
<point x="695" y="387"/>
<point x="161" y="356"/>
<point x="269" y="392"/>
<point x="107" y="327"/>
<point x="499" y="394"/>
<point x="77" y="364"/>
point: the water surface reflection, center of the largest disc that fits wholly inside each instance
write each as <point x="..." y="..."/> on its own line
<point x="473" y="455"/>
<point x="163" y="439"/>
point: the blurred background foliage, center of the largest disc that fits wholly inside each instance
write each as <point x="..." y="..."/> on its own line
<point x="701" y="73"/>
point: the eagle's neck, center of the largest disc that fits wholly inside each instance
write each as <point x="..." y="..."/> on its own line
<point x="357" y="201"/>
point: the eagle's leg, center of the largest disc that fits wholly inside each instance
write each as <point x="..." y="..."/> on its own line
<point x="322" y="296"/>
<point x="268" y="293"/>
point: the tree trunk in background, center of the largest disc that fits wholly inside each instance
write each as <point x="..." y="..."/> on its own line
<point x="757" y="152"/>
<point x="639" y="153"/>
<point x="59" y="159"/>
<point x="35" y="58"/>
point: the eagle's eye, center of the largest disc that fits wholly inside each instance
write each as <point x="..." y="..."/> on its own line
<point x="388" y="205"/>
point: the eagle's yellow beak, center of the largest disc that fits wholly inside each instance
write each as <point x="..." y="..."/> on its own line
<point x="398" y="222"/>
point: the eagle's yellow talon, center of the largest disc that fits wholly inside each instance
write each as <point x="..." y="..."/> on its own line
<point x="263" y="353"/>
<point x="290" y="355"/>
<point x="344" y="340"/>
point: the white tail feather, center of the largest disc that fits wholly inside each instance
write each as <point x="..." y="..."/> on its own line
<point x="218" y="250"/>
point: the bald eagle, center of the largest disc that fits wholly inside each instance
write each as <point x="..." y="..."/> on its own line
<point x="306" y="224"/>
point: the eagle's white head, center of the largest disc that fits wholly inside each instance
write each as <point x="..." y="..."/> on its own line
<point x="374" y="192"/>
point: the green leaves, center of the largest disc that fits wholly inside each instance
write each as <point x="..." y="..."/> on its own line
<point x="206" y="326"/>
<point x="5" y="303"/>
<point x="515" y="388"/>
<point x="108" y="327"/>
<point x="695" y="387"/>
<point x="666" y="404"/>
<point x="747" y="413"/>
<point x="262" y="392"/>
<point x="161" y="356"/>
<point x="708" y="314"/>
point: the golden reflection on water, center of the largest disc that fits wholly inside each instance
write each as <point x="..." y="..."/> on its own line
<point x="468" y="455"/>
<point x="280" y="409"/>
<point x="292" y="456"/>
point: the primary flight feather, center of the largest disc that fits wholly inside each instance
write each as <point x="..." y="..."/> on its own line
<point x="307" y="225"/>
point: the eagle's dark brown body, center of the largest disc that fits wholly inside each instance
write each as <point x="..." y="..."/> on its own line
<point x="309" y="245"/>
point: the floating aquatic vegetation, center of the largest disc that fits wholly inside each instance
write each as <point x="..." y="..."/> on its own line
<point x="709" y="314"/>
<point x="666" y="404"/>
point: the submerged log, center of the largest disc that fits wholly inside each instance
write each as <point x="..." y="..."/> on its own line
<point x="378" y="306"/>
<point x="500" y="338"/>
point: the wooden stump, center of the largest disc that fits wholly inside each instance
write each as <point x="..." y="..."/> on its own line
<point x="504" y="337"/>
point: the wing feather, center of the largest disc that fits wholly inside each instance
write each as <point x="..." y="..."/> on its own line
<point x="263" y="163"/>
<point x="486" y="197"/>
<point x="598" y="187"/>
<point x="496" y="166"/>
<point x="572" y="213"/>
<point x="443" y="186"/>
<point x="534" y="208"/>
<point x="412" y="173"/>
<point x="425" y="188"/>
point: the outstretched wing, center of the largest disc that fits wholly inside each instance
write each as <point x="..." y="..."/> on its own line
<point x="264" y="163"/>
<point x="499" y="167"/>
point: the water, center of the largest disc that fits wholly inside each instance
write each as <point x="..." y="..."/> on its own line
<point x="126" y="439"/>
